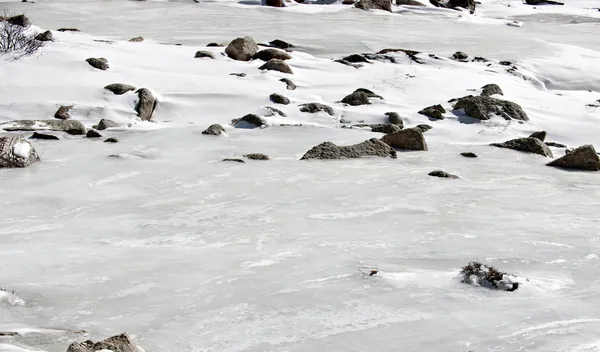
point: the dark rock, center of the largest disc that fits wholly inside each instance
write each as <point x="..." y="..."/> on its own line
<point x="355" y="58"/>
<point x="19" y="20"/>
<point x="316" y="107"/>
<point x="16" y="152"/>
<point x="582" y="158"/>
<point x="269" y="54"/>
<point x="99" y="63"/>
<point x="409" y="139"/>
<point x="69" y="126"/>
<point x="541" y="135"/>
<point x="436" y="3"/>
<point x="111" y="140"/>
<point x="369" y="93"/>
<point x="274" y="3"/>
<point x="356" y="99"/>
<point x="119" y="343"/>
<point x="93" y="134"/>
<point x="146" y="104"/>
<point x="37" y="135"/>
<point x="249" y="121"/>
<point x="238" y="74"/>
<point x="424" y="128"/>
<point x="466" y="4"/>
<point x="279" y="99"/>
<point x="45" y="36"/>
<point x="215" y="45"/>
<point x="242" y="49"/>
<point x="273" y="111"/>
<point x="459" y="55"/>
<point x="104" y="124"/>
<point x="385" y="5"/>
<point x="442" y="174"/>
<point x="482" y="108"/>
<point x="289" y="84"/>
<point x="434" y="112"/>
<point x="505" y="63"/>
<point x="119" y="88"/>
<point x="386" y="128"/>
<point x="347" y="63"/>
<point x="203" y="53"/>
<point x="371" y="147"/>
<point x="477" y="274"/>
<point x="556" y="145"/>
<point x="8" y="333"/>
<point x="136" y="40"/>
<point x="394" y="119"/>
<point x="543" y="2"/>
<point x="63" y="112"/>
<point x="491" y="89"/>
<point x="234" y="160"/>
<point x="214" y="130"/>
<point x="468" y="155"/>
<point x="276" y="65"/>
<point x="68" y="30"/>
<point x="257" y="156"/>
<point x="526" y="145"/>
<point x="280" y="44"/>
<point x="408" y="2"/>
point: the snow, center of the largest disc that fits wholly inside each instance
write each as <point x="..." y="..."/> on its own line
<point x="22" y="149"/>
<point x="187" y="253"/>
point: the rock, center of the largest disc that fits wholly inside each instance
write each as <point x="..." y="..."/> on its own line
<point x="46" y="36"/>
<point x="409" y="139"/>
<point x="111" y="140"/>
<point x="93" y="134"/>
<point x="234" y="160"/>
<point x="371" y="147"/>
<point x="347" y="63"/>
<point x="355" y="58"/>
<point x="276" y="65"/>
<point x="269" y="54"/>
<point x="541" y="135"/>
<point x="582" y="158"/>
<point x="526" y="145"/>
<point x="434" y="112"/>
<point x="385" y="5"/>
<point x="556" y="145"/>
<point x="386" y="128"/>
<point x="466" y="4"/>
<point x="482" y="108"/>
<point x="459" y="55"/>
<point x="257" y="156"/>
<point x="249" y="121"/>
<point x="369" y="93"/>
<point x="271" y="111"/>
<point x="279" y="99"/>
<point x="146" y="104"/>
<point x="119" y="343"/>
<point x="8" y="333"/>
<point x="136" y="40"/>
<point x="274" y="3"/>
<point x="16" y="152"/>
<point x="37" y="135"/>
<point x="69" y="126"/>
<point x="68" y="30"/>
<point x="242" y="49"/>
<point x="409" y="2"/>
<point x="104" y="124"/>
<point x="424" y="127"/>
<point x="442" y="174"/>
<point x="238" y="74"/>
<point x="468" y="155"/>
<point x="543" y="2"/>
<point x="119" y="88"/>
<point x="19" y="20"/>
<point x="491" y="89"/>
<point x="214" y="130"/>
<point x="313" y="108"/>
<point x="277" y="43"/>
<point x="477" y="274"/>
<point x="214" y="45"/>
<point x="99" y="63"/>
<point x="203" y="53"/>
<point x="394" y="119"/>
<point x="289" y="84"/>
<point x="356" y="99"/>
<point x="63" y="112"/>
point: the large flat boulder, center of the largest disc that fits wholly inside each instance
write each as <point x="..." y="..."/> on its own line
<point x="582" y="158"/>
<point x="16" y="152"/>
<point x="69" y="126"/>
<point x="371" y="147"/>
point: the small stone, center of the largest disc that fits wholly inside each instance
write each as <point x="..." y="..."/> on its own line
<point x="63" y="112"/>
<point x="434" y="112"/>
<point x="482" y="108"/>
<point x="541" y="135"/>
<point x="491" y="89"/>
<point x="98" y="63"/>
<point x="119" y="88"/>
<point x="215" y="45"/>
<point x="424" y="127"/>
<point x="238" y="74"/>
<point x="394" y="119"/>
<point x="203" y="53"/>
<point x="386" y="128"/>
<point x="276" y="65"/>
<point x="37" y="135"/>
<point x="249" y="121"/>
<point x="280" y="44"/>
<point x="257" y="156"/>
<point x="234" y="160"/>
<point x="459" y="55"/>
<point x="289" y="84"/>
<point x="356" y="99"/>
<point x="111" y="140"/>
<point x="313" y="108"/>
<point x="442" y="174"/>
<point x="104" y="124"/>
<point x="279" y="99"/>
<point x="478" y="274"/>
<point x="46" y="36"/>
<point x="355" y="58"/>
<point x="68" y="30"/>
<point x="271" y="111"/>
<point x="468" y="155"/>
<point x="136" y="40"/>
<point x="93" y="134"/>
<point x="73" y="127"/>
<point x="385" y="5"/>
<point x="214" y="130"/>
<point x="270" y="54"/>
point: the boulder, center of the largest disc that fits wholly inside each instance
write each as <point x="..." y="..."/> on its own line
<point x="468" y="155"/>
<point x="526" y="145"/>
<point x="276" y="65"/>
<point x="111" y="140"/>
<point x="69" y="126"/>
<point x="146" y="104"/>
<point x="409" y="139"/>
<point x="313" y="108"/>
<point x="442" y="174"/>
<point x="249" y="121"/>
<point x="465" y="4"/>
<point x="93" y="134"/>
<point x="136" y="40"/>
<point x="371" y="147"/>
<point x="204" y="53"/>
<point x="424" y="128"/>
<point x="19" y="20"/>
<point x="478" y="274"/>
<point x="99" y="63"/>
<point x="257" y="156"/>
<point x="409" y="2"/>
<point x="289" y="85"/>
<point x="385" y="5"/>
<point x="119" y="88"/>
<point x="16" y="152"/>
<point x="434" y="112"/>
<point x="46" y="36"/>
<point x="541" y="135"/>
<point x="104" y="124"/>
<point x="356" y="99"/>
<point x="460" y="56"/>
<point x="582" y="158"/>
<point x="63" y="112"/>
<point x="279" y="99"/>
<point x="277" y="43"/>
<point x="394" y="119"/>
<point x="119" y="343"/>
<point x="269" y="54"/>
<point x="242" y="49"/>
<point x="214" y="130"/>
<point x="44" y="136"/>
<point x="491" y="89"/>
<point x="482" y="108"/>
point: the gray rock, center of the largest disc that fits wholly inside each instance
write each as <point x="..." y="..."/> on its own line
<point x="273" y="111"/>
<point x="526" y="145"/>
<point x="19" y="20"/>
<point x="119" y="88"/>
<point x="482" y="108"/>
<point x="385" y="5"/>
<point x="46" y="36"/>
<point x="119" y="343"/>
<point x="276" y="65"/>
<point x="136" y="40"/>
<point x="16" y="152"/>
<point x="204" y="53"/>
<point x="269" y="54"/>
<point x="257" y="156"/>
<point x="289" y="84"/>
<point x="386" y="128"/>
<point x="8" y="333"/>
<point x="146" y="104"/>
<point x="555" y="145"/>
<point x="242" y="49"/>
<point x="477" y="274"/>
<point x="99" y="63"/>
<point x="369" y="93"/>
<point x="466" y="4"/>
<point x="249" y="121"/>
<point x="69" y="126"/>
<point x="93" y="134"/>
<point x="408" y="2"/>
<point x="313" y="108"/>
<point x="111" y="140"/>
<point x="491" y="89"/>
<point x="460" y="56"/>
<point x="434" y="112"/>
<point x="279" y="99"/>
<point x="468" y="155"/>
<point x="63" y="112"/>
<point x="104" y="124"/>
<point x="424" y="128"/>
<point x="356" y="99"/>
<point x="442" y="174"/>
<point x="214" y="130"/>
<point x="277" y="43"/>
<point x="394" y="119"/>
<point x="371" y="147"/>
<point x="409" y="139"/>
<point x="582" y="158"/>
<point x="234" y="160"/>
<point x="44" y="136"/>
<point x="541" y="135"/>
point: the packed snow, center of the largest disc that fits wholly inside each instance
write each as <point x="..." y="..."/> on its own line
<point x="22" y="149"/>
<point x="186" y="253"/>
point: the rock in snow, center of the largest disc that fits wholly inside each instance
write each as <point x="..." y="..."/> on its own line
<point x="409" y="139"/>
<point x="146" y="104"/>
<point x="371" y="147"/>
<point x="582" y="158"/>
<point x="279" y="99"/>
<point x="482" y="108"/>
<point x="313" y="108"/>
<point x="69" y="126"/>
<point x="478" y="274"/>
<point x="434" y="112"/>
<point x="242" y="49"/>
<point x="442" y="174"/>
<point x="119" y="88"/>
<point x="46" y="36"/>
<point x="526" y="145"/>
<point x="249" y="121"/>
<point x="99" y="63"/>
<point x="394" y="119"/>
<point x="119" y="343"/>
<point x="491" y="89"/>
<point x="269" y="54"/>
<point x="541" y="135"/>
<point x="16" y="152"/>
<point x="385" y="5"/>
<point x="63" y="112"/>
<point x="276" y="65"/>
<point x="257" y="156"/>
<point x="214" y="130"/>
<point x="104" y="124"/>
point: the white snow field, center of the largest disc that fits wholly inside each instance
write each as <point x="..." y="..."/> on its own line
<point x="187" y="253"/>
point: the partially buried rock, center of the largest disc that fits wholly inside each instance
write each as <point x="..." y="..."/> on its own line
<point x="146" y="104"/>
<point x="93" y="134"/>
<point x="269" y="54"/>
<point x="257" y="156"/>
<point x="37" y="135"/>
<point x="279" y="99"/>
<point x="8" y="333"/>
<point x="526" y="145"/>
<point x="214" y="130"/>
<point x="482" y="108"/>
<point x="136" y="40"/>
<point x="242" y="49"/>
<point x="69" y="126"/>
<point x="271" y="111"/>
<point x="104" y="124"/>
<point x="355" y="58"/>
<point x="478" y="274"/>
<point x="99" y="63"/>
<point x="371" y="147"/>
<point x="111" y="140"/>
<point x="424" y="128"/>
<point x="369" y="93"/>
<point x="468" y="155"/>
<point x="460" y="56"/>
<point x="249" y="121"/>
<point x="277" y="43"/>
<point x="276" y="65"/>
<point x="313" y="108"/>
<point x="434" y="112"/>
<point x="119" y="88"/>
<point x="68" y="30"/>
<point x="466" y="4"/>
<point x="409" y="2"/>
<point x="289" y="85"/>
<point x="394" y="119"/>
<point x="491" y="89"/>
<point x="63" y="112"/>
<point x="386" y="128"/>
<point x="409" y="139"/>
<point x="541" y="135"/>
<point x="582" y="158"/>
<point x="15" y="152"/>
<point x="385" y="5"/>
<point x="234" y="160"/>
<point x="555" y="145"/>
<point x="204" y="53"/>
<point x="356" y="99"/>
<point x="442" y="174"/>
<point x="119" y="343"/>
<point x="543" y="2"/>
<point x="214" y="45"/>
<point x="19" y="20"/>
<point x="45" y="36"/>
